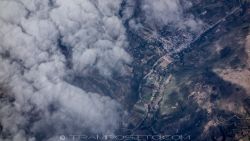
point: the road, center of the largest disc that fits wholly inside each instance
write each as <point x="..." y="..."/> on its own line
<point x="152" y="71"/>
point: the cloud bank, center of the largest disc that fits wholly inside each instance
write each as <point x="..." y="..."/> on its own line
<point x="37" y="40"/>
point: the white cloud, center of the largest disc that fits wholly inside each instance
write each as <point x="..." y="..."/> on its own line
<point x="33" y="68"/>
<point x="166" y="21"/>
<point x="170" y="12"/>
<point x="100" y="33"/>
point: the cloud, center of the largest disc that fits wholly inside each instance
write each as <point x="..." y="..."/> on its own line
<point x="158" y="14"/>
<point x="165" y="21"/>
<point x="33" y="67"/>
<point x="170" y="12"/>
<point x="99" y="39"/>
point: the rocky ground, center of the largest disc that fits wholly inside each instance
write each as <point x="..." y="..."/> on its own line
<point x="202" y="91"/>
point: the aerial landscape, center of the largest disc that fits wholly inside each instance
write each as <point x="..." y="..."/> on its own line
<point x="124" y="70"/>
